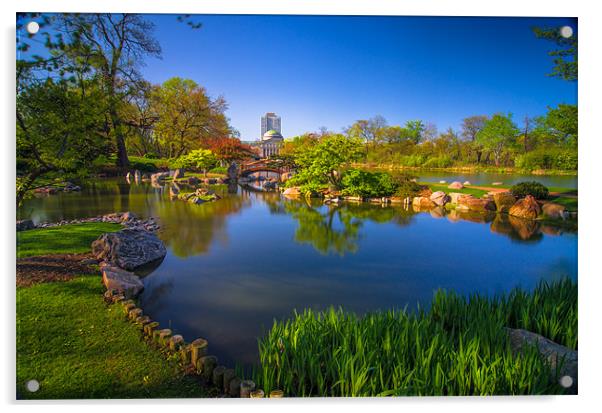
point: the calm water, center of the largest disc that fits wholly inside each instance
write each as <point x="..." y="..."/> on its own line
<point x="236" y="264"/>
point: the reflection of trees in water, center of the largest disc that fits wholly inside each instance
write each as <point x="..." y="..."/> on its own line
<point x="189" y="229"/>
<point x="154" y="299"/>
<point x="336" y="228"/>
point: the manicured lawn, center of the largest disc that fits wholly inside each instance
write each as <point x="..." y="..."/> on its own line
<point x="77" y="347"/>
<point x="65" y="239"/>
<point x="466" y="190"/>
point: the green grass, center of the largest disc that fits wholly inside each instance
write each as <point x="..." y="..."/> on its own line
<point x="77" y="347"/>
<point x="466" y="190"/>
<point x="458" y="347"/>
<point x="64" y="239"/>
<point x="570" y="204"/>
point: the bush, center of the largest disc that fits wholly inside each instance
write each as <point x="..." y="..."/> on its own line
<point x="219" y="170"/>
<point x="142" y="164"/>
<point x="407" y="187"/>
<point x="356" y="182"/>
<point x="535" y="189"/>
<point x="438" y="162"/>
<point x="151" y="155"/>
<point x="548" y="159"/>
<point x="412" y="160"/>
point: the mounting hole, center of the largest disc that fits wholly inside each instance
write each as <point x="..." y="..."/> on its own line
<point x="33" y="386"/>
<point x="566" y="31"/>
<point x="566" y="381"/>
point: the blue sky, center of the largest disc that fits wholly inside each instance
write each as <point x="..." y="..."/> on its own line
<point x="332" y="70"/>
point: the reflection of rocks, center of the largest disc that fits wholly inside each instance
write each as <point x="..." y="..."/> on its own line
<point x="158" y="176"/>
<point x="178" y="173"/>
<point x="440" y="198"/>
<point x="232" y="172"/>
<point x="437" y="212"/>
<point x="137" y="176"/>
<point x="550" y="230"/>
<point x="473" y="216"/>
<point x="128" y="248"/>
<point x="527" y="208"/>
<point x="516" y="228"/>
<point x="554" y="211"/>
<point x="193" y="180"/>
<point x="503" y="201"/>
<point x="174" y="190"/>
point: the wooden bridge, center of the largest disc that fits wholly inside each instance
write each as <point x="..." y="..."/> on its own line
<point x="263" y="165"/>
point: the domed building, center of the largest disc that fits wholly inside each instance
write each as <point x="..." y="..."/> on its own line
<point x="270" y="143"/>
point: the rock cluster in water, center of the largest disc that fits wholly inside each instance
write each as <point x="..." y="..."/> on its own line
<point x="127" y="219"/>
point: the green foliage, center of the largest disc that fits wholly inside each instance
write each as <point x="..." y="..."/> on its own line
<point x="356" y="182"/>
<point x="63" y="239"/>
<point x="438" y="162"/>
<point x="413" y="160"/>
<point x="219" y="170"/>
<point x="407" y="186"/>
<point x="459" y="347"/>
<point x="321" y="165"/>
<point x="565" y="58"/>
<point x="498" y="134"/>
<point x="535" y="189"/>
<point x="201" y="159"/>
<point x="553" y="158"/>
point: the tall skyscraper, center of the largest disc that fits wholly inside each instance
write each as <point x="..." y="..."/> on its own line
<point x="270" y="121"/>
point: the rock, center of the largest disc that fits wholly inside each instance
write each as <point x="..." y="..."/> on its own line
<point x="453" y="197"/>
<point x="526" y="208"/>
<point x="497" y="183"/>
<point x="128" y="176"/>
<point x="159" y="175"/>
<point x="193" y="180"/>
<point x="466" y="183"/>
<point x="89" y="261"/>
<point x="128" y="248"/>
<point x="69" y="187"/>
<point x="556" y="355"/>
<point x="456" y="185"/>
<point x="125" y="282"/>
<point x="178" y="173"/>
<point x="232" y="172"/>
<point x="440" y="198"/>
<point x="554" y="211"/>
<point x="196" y="200"/>
<point x="470" y="203"/>
<point x="285" y="176"/>
<point x="25" y="224"/>
<point x="137" y="176"/>
<point x="442" y="182"/>
<point x="421" y="202"/>
<point x="128" y="216"/>
<point x="293" y="191"/>
<point x="503" y="201"/>
<point x="210" y="181"/>
<point x="174" y="190"/>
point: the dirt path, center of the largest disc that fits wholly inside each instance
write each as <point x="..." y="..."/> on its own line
<point x="498" y="189"/>
<point x="50" y="268"/>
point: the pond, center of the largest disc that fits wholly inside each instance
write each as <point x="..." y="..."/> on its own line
<point x="236" y="264"/>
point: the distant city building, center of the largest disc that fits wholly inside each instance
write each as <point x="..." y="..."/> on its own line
<point x="270" y="121"/>
<point x="271" y="135"/>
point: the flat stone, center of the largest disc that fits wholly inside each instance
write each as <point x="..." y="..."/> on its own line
<point x="25" y="224"/>
<point x="125" y="282"/>
<point x="128" y="248"/>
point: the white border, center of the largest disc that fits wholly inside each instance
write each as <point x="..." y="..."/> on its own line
<point x="590" y="95"/>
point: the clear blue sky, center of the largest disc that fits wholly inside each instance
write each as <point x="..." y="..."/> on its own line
<point x="332" y="70"/>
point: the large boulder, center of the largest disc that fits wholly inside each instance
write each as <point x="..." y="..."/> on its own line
<point x="128" y="248"/>
<point x="292" y="191"/>
<point x="503" y="201"/>
<point x="25" y="224"/>
<point x="526" y="208"/>
<point x="554" y="211"/>
<point x="454" y="196"/>
<point x="422" y="202"/>
<point x="115" y="278"/>
<point x="440" y="198"/>
<point x="456" y="185"/>
<point x="470" y="203"/>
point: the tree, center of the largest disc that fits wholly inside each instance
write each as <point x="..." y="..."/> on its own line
<point x="228" y="149"/>
<point x="322" y="163"/>
<point x="115" y="45"/>
<point x="561" y="123"/>
<point x="187" y="117"/>
<point x="565" y="58"/>
<point x="414" y="131"/>
<point x="371" y="130"/>
<point x="59" y="131"/>
<point x="471" y="126"/>
<point x="498" y="133"/>
<point x="202" y="159"/>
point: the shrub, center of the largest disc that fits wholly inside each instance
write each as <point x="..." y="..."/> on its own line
<point x="407" y="186"/>
<point x="143" y="165"/>
<point x="412" y="160"/>
<point x="548" y="159"/>
<point x="356" y="182"/>
<point x="438" y="162"/>
<point x="151" y="155"/>
<point x="535" y="189"/>
<point x="219" y="170"/>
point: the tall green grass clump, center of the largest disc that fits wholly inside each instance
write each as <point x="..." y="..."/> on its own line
<point x="458" y="347"/>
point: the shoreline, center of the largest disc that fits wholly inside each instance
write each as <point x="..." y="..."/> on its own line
<point x="470" y="169"/>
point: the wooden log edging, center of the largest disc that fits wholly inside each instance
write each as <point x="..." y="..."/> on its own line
<point x="194" y="356"/>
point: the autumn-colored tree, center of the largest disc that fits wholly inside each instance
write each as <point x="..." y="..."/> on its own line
<point x="228" y="149"/>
